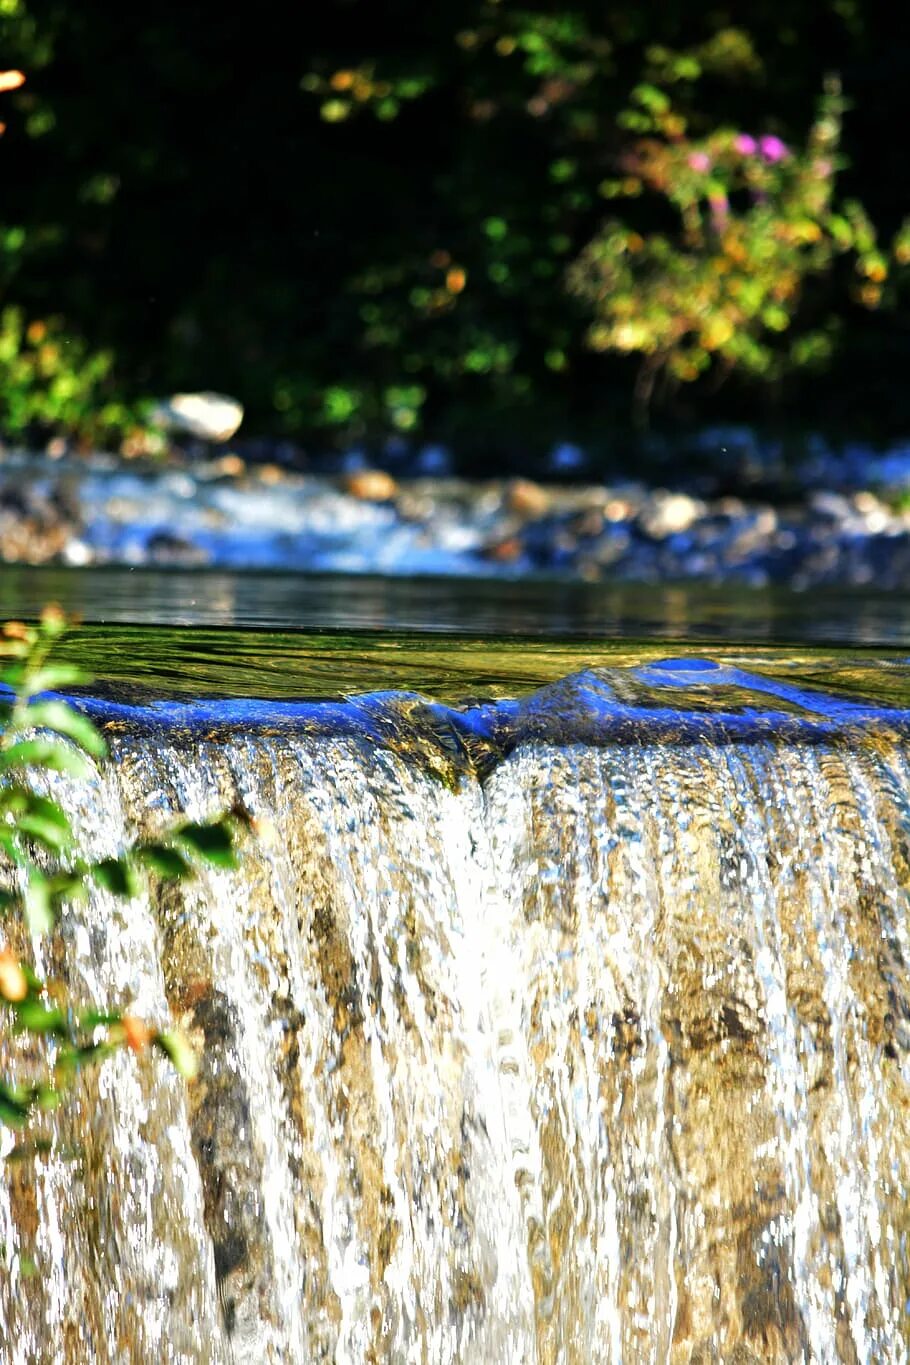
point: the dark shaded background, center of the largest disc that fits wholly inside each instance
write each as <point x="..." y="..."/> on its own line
<point x="174" y="194"/>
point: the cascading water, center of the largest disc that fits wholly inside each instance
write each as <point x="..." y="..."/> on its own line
<point x="570" y="1030"/>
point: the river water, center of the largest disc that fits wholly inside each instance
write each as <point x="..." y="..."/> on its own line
<point x="559" y="1012"/>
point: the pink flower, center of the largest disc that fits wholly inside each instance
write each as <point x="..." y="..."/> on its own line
<point x="745" y="144"/>
<point x="699" y="161"/>
<point x="772" y="149"/>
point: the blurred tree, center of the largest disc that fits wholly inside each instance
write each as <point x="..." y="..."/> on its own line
<point x="363" y="219"/>
<point x="757" y="220"/>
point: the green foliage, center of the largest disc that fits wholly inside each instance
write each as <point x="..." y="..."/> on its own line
<point x="756" y="219"/>
<point x="421" y="246"/>
<point x="751" y="279"/>
<point x="347" y="92"/>
<point x="50" y="380"/>
<point x="42" y="870"/>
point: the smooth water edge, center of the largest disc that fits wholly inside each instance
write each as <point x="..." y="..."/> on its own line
<point x="686" y="699"/>
<point x="534" y="606"/>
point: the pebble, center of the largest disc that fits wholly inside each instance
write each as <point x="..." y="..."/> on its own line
<point x="371" y="485"/>
<point x="505" y="551"/>
<point x="590" y="524"/>
<point x="77" y="553"/>
<point x="206" y="416"/>
<point x="527" y="499"/>
<point x="229" y="466"/>
<point x="413" y="506"/>
<point x="169" y="549"/>
<point x="271" y="474"/>
<point x="668" y="513"/>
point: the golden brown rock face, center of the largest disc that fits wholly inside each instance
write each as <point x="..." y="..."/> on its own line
<point x="606" y="1058"/>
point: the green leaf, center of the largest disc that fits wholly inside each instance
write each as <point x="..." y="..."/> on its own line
<point x="35" y="804"/>
<point x="9" y="900"/>
<point x="12" y="1114"/>
<point x="44" y="821"/>
<point x="64" y="886"/>
<point x="53" y="623"/>
<point x="650" y="97"/>
<point x="13" y="649"/>
<point x="65" y="720"/>
<point x="74" y="1059"/>
<point x="15" y="1103"/>
<point x="167" y="862"/>
<point x="35" y="1017"/>
<point x="44" y="753"/>
<point x="115" y="875"/>
<point x="10" y="846"/>
<point x="52" y="677"/>
<point x="39" y="913"/>
<point x="175" y="1046"/>
<point x="95" y="1018"/>
<point x="213" y="843"/>
<point x="35" y="984"/>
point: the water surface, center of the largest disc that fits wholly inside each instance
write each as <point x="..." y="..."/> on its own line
<point x="534" y="606"/>
<point x="558" y="1011"/>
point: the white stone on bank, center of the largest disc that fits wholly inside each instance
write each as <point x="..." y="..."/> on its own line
<point x="206" y="416"/>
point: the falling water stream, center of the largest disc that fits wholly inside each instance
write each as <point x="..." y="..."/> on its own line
<point x="567" y="1029"/>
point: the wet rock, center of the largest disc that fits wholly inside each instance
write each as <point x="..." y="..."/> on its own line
<point x="589" y="525"/>
<point x="35" y="524"/>
<point x="164" y="548"/>
<point x="271" y="474"/>
<point x="229" y="1166"/>
<point x="875" y="515"/>
<point x="527" y="499"/>
<point x="206" y="416"/>
<point x="371" y="485"/>
<point x="618" y="509"/>
<point x="610" y="547"/>
<point x="229" y="466"/>
<point x="830" y="505"/>
<point x="668" y="513"/>
<point x="504" y="551"/>
<point x="412" y="506"/>
<point x="751" y="532"/>
<point x="77" y="553"/>
<point x="13" y="502"/>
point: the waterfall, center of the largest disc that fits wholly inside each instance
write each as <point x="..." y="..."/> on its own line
<point x="571" y="1030"/>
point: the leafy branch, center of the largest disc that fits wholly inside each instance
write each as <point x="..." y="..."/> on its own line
<point x="756" y="219"/>
<point x="42" y="870"/>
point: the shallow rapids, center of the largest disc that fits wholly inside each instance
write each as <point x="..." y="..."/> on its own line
<point x="523" y="1040"/>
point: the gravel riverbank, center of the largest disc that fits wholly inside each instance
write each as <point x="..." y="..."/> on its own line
<point x="222" y="513"/>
